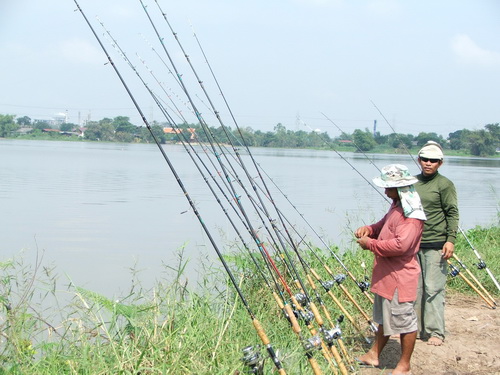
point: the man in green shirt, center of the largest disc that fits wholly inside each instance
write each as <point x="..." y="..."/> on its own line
<point x="439" y="199"/>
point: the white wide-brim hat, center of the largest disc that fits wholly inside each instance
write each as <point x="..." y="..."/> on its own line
<point x="393" y="176"/>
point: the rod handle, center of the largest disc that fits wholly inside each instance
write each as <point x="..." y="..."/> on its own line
<point x="315" y="366"/>
<point x="316" y="313"/>
<point x="293" y="319"/>
<point x="260" y="332"/>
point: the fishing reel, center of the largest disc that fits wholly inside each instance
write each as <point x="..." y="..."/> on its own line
<point x="253" y="361"/>
<point x="330" y="335"/>
<point x="334" y="333"/>
<point x="311" y="344"/>
<point x="328" y="284"/>
<point x="301" y="298"/>
<point x="481" y="265"/>
<point x="364" y="285"/>
<point x="340" y="319"/>
<point x="454" y="271"/>
<point x="339" y="279"/>
<point x="306" y="315"/>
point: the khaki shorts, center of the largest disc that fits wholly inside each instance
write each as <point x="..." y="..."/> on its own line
<point x="394" y="316"/>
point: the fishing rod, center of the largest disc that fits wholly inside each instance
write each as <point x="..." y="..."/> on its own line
<point x="256" y="323"/>
<point x="158" y="104"/>
<point x="222" y="125"/>
<point x="242" y="165"/>
<point x="351" y="298"/>
<point x="192" y="151"/>
<point x="455" y="271"/>
<point x="309" y="344"/>
<point x="481" y="264"/>
<point x="334" y="333"/>
<point x="339" y="278"/>
<point x="250" y="153"/>
<point x="329" y="335"/>
<point x="285" y="308"/>
<point x="471" y="275"/>
<point x="361" y="285"/>
<point x="328" y="286"/>
<point x="359" y="149"/>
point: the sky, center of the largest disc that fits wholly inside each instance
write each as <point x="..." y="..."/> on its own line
<point x="411" y="66"/>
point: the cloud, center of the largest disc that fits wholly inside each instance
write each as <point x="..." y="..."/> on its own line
<point x="469" y="52"/>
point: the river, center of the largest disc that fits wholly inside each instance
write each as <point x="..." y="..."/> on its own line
<point x="97" y="211"/>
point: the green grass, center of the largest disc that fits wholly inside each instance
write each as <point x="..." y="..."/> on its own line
<point x="175" y="328"/>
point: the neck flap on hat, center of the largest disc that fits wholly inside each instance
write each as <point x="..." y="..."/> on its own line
<point x="410" y="201"/>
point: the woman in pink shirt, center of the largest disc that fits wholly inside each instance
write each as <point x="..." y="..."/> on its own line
<point x="395" y="241"/>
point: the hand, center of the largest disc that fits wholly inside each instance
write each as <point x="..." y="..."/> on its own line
<point x="362" y="232"/>
<point x="448" y="249"/>
<point x="363" y="242"/>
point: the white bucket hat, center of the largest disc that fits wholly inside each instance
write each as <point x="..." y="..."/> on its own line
<point x="393" y="176"/>
<point x="431" y="150"/>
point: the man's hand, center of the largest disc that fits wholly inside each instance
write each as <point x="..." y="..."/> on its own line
<point x="362" y="232"/>
<point x="363" y="242"/>
<point x="448" y="249"/>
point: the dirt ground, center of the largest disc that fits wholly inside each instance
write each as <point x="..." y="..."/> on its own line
<point x="472" y="345"/>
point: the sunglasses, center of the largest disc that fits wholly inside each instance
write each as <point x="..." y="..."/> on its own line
<point x="433" y="161"/>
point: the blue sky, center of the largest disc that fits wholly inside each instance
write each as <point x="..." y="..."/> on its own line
<point x="427" y="65"/>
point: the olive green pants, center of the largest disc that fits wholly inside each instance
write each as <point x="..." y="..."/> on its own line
<point x="429" y="305"/>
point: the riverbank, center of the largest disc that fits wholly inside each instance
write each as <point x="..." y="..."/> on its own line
<point x="470" y="348"/>
<point x="178" y="328"/>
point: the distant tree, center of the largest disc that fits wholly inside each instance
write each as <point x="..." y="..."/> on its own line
<point x="400" y="141"/>
<point x="122" y="124"/>
<point x="245" y="136"/>
<point x="100" y="131"/>
<point x="459" y="139"/>
<point x="422" y="138"/>
<point x="40" y="125"/>
<point x="267" y="139"/>
<point x="158" y="132"/>
<point x="364" y="140"/>
<point x="494" y="130"/>
<point x="7" y="125"/>
<point x="23" y="121"/>
<point x="144" y="135"/>
<point x="67" y="126"/>
<point x="124" y="137"/>
<point x="380" y="139"/>
<point x="482" y="143"/>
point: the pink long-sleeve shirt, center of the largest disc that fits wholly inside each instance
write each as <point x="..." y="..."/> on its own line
<point x="395" y="241"/>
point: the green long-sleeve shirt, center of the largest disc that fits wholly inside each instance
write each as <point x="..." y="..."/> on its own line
<point x="439" y="199"/>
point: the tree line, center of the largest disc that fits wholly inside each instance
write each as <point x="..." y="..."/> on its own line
<point x="483" y="142"/>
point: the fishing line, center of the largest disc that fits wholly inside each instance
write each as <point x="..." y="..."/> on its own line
<point x="290" y="262"/>
<point x="459" y="228"/>
<point x="245" y="145"/>
<point x="184" y="141"/>
<point x="242" y="165"/>
<point x="481" y="265"/>
<point x="257" y="325"/>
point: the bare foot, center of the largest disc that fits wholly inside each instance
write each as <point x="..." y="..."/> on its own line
<point x="436" y="341"/>
<point x="404" y="370"/>
<point x="367" y="360"/>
